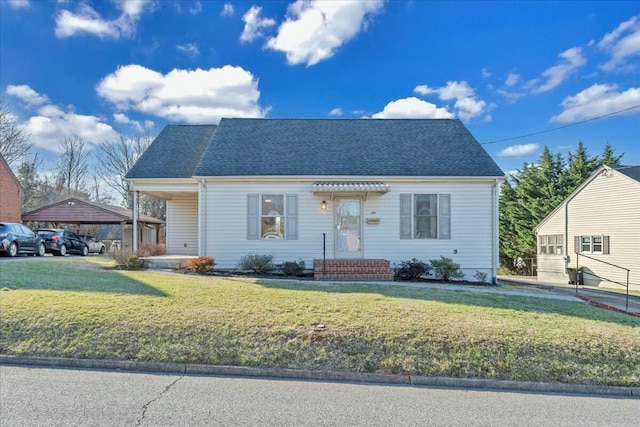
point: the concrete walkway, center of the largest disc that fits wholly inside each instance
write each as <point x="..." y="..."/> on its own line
<point x="599" y="297"/>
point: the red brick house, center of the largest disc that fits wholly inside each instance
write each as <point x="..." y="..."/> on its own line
<point x="11" y="193"/>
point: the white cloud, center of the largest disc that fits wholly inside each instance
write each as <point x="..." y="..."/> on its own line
<point x="314" y="30"/>
<point x="192" y="96"/>
<point x="412" y="108"/>
<point x="572" y="59"/>
<point x="253" y="24"/>
<point x="512" y="79"/>
<point x="511" y="96"/>
<point x="18" y="4"/>
<point x="622" y="43"/>
<point x="597" y="100"/>
<point x="189" y="49"/>
<point x="196" y="8"/>
<point x="51" y="123"/>
<point x="227" y="10"/>
<point x="87" y="20"/>
<point x="336" y="112"/>
<point x="27" y="95"/>
<point x="125" y="120"/>
<point x="519" y="150"/>
<point x="467" y="105"/>
<point x="486" y="73"/>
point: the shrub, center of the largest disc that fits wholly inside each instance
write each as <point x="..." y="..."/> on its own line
<point x="202" y="265"/>
<point x="412" y="269"/>
<point x="257" y="263"/>
<point x="152" y="250"/>
<point x="133" y="262"/>
<point x="292" y="268"/>
<point x="121" y="256"/>
<point x="446" y="269"/>
<point x="480" y="276"/>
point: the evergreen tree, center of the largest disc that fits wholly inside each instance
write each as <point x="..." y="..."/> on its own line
<point x="608" y="158"/>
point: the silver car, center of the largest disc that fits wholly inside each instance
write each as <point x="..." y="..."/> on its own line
<point x="95" y="246"/>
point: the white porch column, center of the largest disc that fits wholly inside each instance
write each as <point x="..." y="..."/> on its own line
<point x="134" y="237"/>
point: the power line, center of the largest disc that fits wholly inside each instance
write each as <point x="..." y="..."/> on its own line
<point x="561" y="127"/>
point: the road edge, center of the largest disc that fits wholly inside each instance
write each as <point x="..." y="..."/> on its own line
<point x="301" y="374"/>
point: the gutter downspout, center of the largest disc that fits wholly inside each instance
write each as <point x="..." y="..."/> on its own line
<point x="202" y="213"/>
<point x="495" y="242"/>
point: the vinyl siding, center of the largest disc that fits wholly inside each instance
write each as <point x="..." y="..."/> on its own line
<point x="182" y="225"/>
<point x="552" y="267"/>
<point x="609" y="205"/>
<point x="471" y="231"/>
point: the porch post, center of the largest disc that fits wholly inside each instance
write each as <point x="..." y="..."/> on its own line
<point x="134" y="235"/>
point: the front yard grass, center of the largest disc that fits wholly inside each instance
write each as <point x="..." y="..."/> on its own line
<point x="78" y="307"/>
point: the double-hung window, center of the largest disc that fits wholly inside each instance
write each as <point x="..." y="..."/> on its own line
<point x="592" y="244"/>
<point x="272" y="216"/>
<point x="425" y="216"/>
<point x="551" y="244"/>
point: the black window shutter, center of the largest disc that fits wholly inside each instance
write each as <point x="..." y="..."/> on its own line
<point x="605" y="245"/>
<point x="576" y="244"/>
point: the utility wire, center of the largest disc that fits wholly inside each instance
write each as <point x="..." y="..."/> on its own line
<point x="561" y="127"/>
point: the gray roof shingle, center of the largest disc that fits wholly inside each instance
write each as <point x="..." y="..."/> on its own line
<point x="174" y="153"/>
<point x="632" y="172"/>
<point x="326" y="147"/>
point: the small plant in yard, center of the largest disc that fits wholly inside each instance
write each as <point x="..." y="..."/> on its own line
<point x="412" y="269"/>
<point x="121" y="257"/>
<point x="446" y="269"/>
<point x="292" y="268"/>
<point x="260" y="264"/>
<point x="134" y="262"/>
<point x="480" y="276"/>
<point x="202" y="265"/>
<point x="152" y="250"/>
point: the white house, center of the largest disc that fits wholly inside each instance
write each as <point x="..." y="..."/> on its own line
<point x="359" y="193"/>
<point x="597" y="228"/>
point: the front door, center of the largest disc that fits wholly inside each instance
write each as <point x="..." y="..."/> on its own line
<point x="348" y="220"/>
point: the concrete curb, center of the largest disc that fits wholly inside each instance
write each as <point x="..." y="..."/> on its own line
<point x="295" y="374"/>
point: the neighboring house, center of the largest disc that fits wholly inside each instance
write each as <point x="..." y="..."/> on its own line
<point x="11" y="194"/>
<point x="600" y="220"/>
<point x="365" y="192"/>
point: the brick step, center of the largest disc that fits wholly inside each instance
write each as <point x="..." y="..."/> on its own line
<point x="355" y="270"/>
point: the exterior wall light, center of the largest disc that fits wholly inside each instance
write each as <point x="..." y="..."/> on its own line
<point x="323" y="206"/>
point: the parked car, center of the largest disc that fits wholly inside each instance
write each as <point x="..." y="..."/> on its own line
<point x="19" y="239"/>
<point x="60" y="242"/>
<point x="95" y="246"/>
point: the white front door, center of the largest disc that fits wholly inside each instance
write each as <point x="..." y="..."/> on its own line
<point x="348" y="220"/>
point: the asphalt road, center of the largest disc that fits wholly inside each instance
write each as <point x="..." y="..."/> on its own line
<point x="34" y="396"/>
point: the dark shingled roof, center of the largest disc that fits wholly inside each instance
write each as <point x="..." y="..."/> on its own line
<point x="632" y="172"/>
<point x="174" y="153"/>
<point x="326" y="147"/>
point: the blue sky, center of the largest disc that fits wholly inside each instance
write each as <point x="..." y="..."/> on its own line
<point x="92" y="69"/>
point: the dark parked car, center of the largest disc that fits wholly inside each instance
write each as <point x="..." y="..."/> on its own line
<point x="19" y="239"/>
<point x="62" y="242"/>
<point x="95" y="245"/>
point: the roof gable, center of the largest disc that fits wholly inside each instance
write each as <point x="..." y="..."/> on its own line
<point x="632" y="172"/>
<point x="174" y="153"/>
<point x="13" y="176"/>
<point x="77" y="211"/>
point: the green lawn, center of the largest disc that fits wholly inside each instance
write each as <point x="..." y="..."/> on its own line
<point x="79" y="307"/>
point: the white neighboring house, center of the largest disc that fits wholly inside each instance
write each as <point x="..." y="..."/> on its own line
<point x="364" y="192"/>
<point x="599" y="224"/>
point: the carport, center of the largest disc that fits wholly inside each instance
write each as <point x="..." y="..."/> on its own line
<point x="76" y="211"/>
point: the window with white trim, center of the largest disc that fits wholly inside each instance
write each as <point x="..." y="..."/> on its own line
<point x="425" y="216"/>
<point x="591" y="244"/>
<point x="272" y="216"/>
<point x="552" y="244"/>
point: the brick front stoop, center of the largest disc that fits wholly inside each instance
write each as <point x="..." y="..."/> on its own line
<point x="352" y="269"/>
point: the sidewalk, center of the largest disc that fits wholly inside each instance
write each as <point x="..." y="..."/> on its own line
<point x="595" y="296"/>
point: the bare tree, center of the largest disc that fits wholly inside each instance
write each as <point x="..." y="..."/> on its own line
<point x="72" y="167"/>
<point x="15" y="143"/>
<point x="117" y="157"/>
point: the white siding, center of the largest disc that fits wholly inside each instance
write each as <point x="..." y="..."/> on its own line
<point x="609" y="205"/>
<point x="552" y="267"/>
<point x="471" y="225"/>
<point x="182" y="225"/>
